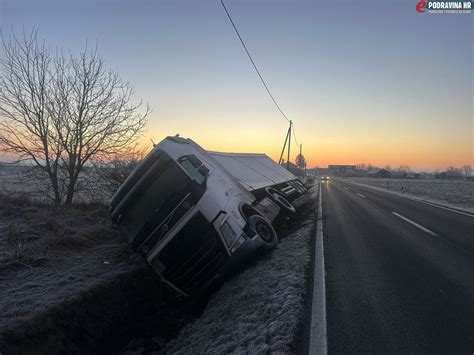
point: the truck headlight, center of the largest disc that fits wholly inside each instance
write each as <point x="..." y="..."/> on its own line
<point x="228" y="234"/>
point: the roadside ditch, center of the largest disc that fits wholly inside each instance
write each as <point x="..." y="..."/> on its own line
<point x="99" y="298"/>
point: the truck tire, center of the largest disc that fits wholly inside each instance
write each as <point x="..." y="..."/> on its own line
<point x="284" y="204"/>
<point x="280" y="199"/>
<point x="271" y="191"/>
<point x="265" y="231"/>
<point x="247" y="211"/>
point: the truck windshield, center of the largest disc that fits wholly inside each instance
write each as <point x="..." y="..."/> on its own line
<point x="169" y="186"/>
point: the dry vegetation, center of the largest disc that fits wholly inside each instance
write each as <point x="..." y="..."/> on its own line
<point x="66" y="277"/>
<point x="33" y="231"/>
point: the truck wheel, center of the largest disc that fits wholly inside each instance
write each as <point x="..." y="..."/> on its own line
<point x="285" y="205"/>
<point x="247" y="211"/>
<point x="265" y="231"/>
<point x="271" y="191"/>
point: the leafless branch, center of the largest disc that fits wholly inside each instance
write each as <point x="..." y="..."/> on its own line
<point x="60" y="111"/>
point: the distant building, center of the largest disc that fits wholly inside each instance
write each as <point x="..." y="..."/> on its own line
<point x="312" y="171"/>
<point x="301" y="161"/>
<point x="451" y="175"/>
<point x="412" y="176"/>
<point x="322" y="171"/>
<point x="342" y="170"/>
<point x="379" y="173"/>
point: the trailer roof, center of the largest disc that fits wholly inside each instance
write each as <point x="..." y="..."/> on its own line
<point x="254" y="171"/>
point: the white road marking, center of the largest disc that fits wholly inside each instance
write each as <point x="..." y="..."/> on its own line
<point x="361" y="195"/>
<point x="318" y="333"/>
<point x="415" y="224"/>
<point x="345" y="188"/>
<point x="414" y="199"/>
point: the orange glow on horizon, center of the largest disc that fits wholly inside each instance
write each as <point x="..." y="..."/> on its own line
<point x="428" y="156"/>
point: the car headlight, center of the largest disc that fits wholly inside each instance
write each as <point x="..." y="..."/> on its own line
<point x="228" y="234"/>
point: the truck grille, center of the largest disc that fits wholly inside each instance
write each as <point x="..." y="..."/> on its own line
<point x="193" y="256"/>
<point x="155" y="232"/>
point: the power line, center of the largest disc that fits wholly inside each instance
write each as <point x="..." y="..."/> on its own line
<point x="253" y="63"/>
<point x="292" y="126"/>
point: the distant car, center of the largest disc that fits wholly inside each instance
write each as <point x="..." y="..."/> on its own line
<point x="324" y="178"/>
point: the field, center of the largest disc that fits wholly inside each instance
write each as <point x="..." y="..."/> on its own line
<point x="449" y="192"/>
<point x="29" y="181"/>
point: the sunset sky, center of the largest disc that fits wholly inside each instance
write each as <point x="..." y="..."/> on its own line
<point x="367" y="81"/>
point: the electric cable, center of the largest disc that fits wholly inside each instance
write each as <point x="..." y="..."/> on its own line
<point x="253" y="63"/>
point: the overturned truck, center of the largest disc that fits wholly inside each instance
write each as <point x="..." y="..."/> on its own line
<point x="196" y="215"/>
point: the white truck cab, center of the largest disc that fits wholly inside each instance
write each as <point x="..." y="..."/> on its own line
<point x="195" y="215"/>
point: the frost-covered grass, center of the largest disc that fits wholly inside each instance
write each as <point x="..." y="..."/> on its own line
<point x="69" y="284"/>
<point x="31" y="232"/>
<point x="64" y="277"/>
<point x="454" y="192"/>
<point x="26" y="181"/>
<point x="261" y="309"/>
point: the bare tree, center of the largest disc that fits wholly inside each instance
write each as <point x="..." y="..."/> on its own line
<point x="404" y="170"/>
<point x="454" y="173"/>
<point x="26" y="125"/>
<point x="467" y="170"/>
<point x="102" y="119"/>
<point x="61" y="111"/>
<point x="113" y="170"/>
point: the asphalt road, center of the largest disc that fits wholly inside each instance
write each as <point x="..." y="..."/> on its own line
<point x="399" y="274"/>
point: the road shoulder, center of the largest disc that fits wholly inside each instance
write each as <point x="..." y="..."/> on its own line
<point x="318" y="332"/>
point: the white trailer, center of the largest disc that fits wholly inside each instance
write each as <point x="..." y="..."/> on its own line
<point x="196" y="215"/>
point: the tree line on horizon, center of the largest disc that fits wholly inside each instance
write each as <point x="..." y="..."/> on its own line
<point x="464" y="171"/>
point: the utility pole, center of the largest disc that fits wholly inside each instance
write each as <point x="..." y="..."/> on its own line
<point x="289" y="146"/>
<point x="283" y="150"/>
<point x="287" y="140"/>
